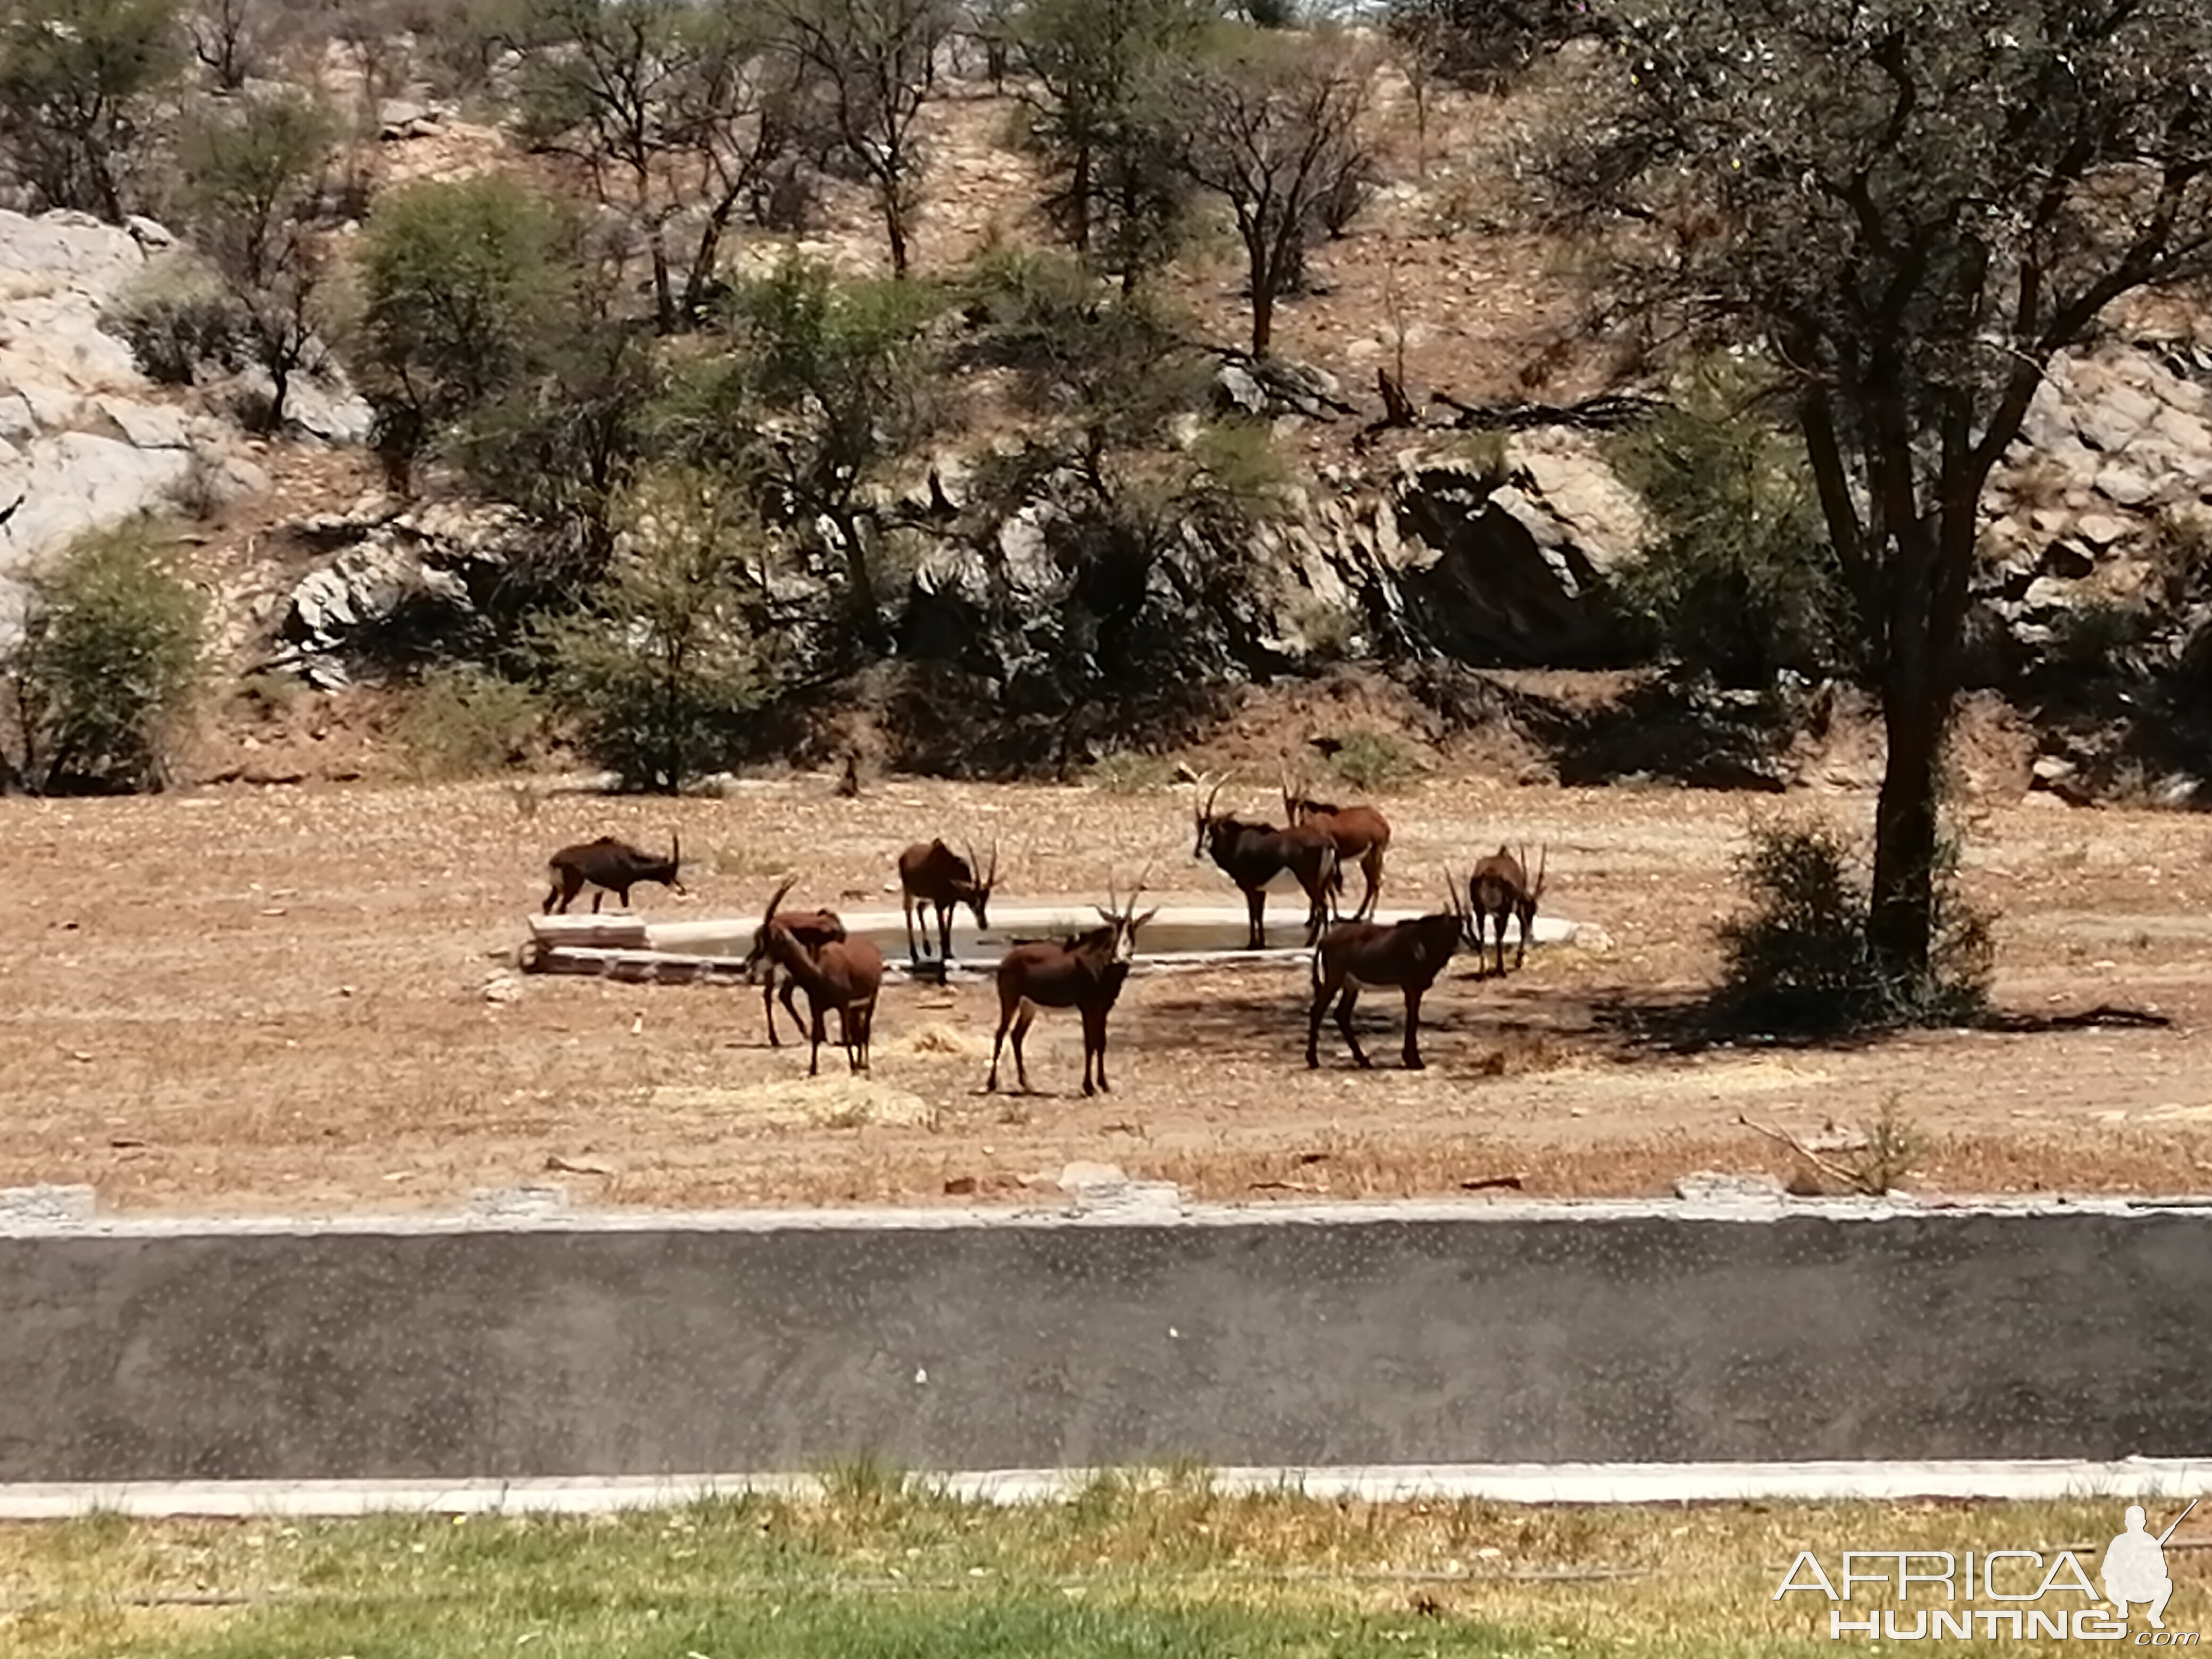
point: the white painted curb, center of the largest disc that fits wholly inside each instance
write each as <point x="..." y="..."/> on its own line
<point x="2027" y="1480"/>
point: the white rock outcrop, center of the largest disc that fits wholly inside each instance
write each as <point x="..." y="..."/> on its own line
<point x="86" y="440"/>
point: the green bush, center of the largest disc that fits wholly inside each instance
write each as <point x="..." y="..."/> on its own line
<point x="1372" y="761"/>
<point x="657" y="676"/>
<point x="468" y="286"/>
<point x="2102" y="635"/>
<point x="464" y="723"/>
<point x="1798" y="959"/>
<point x="176" y="327"/>
<point x="107" y="667"/>
<point x="1742" y="581"/>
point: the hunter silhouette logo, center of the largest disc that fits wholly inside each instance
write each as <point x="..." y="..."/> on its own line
<point x="2025" y="1594"/>
<point x="2135" y="1566"/>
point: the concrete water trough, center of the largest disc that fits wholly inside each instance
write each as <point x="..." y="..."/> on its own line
<point x="1181" y="936"/>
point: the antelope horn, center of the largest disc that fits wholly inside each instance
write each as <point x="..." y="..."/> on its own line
<point x="1543" y="859"/>
<point x="1208" y="810"/>
<point x="1136" y="891"/>
<point x="789" y="882"/>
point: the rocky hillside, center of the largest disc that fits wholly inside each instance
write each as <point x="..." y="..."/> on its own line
<point x="1479" y="538"/>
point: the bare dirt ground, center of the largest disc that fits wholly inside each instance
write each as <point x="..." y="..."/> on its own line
<point x="258" y="1000"/>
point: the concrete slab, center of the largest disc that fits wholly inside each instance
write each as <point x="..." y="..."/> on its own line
<point x="532" y="1344"/>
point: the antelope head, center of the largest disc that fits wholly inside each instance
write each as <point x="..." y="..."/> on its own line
<point x="982" y="879"/>
<point x="1456" y="897"/>
<point x="1121" y="915"/>
<point x="1205" y="818"/>
<point x="1525" y="905"/>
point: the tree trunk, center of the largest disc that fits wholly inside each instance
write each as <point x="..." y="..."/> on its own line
<point x="1078" y="190"/>
<point x="1263" y="311"/>
<point x="894" y="226"/>
<point x="1901" y="925"/>
<point x="1916" y="699"/>
<point x="860" y="587"/>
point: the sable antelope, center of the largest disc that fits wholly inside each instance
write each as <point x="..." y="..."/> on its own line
<point x="843" y="973"/>
<point x="1407" y="954"/>
<point x="1083" y="971"/>
<point x="934" y="876"/>
<point x="1253" y="855"/>
<point x="813" y="929"/>
<point x="1362" y="836"/>
<point x="613" y="865"/>
<point x="1498" y="887"/>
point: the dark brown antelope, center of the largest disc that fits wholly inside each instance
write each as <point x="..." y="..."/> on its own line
<point x="814" y="929"/>
<point x="933" y="876"/>
<point x="1499" y="887"/>
<point x="844" y="975"/>
<point x="1408" y="955"/>
<point x="612" y="866"/>
<point x="1084" y="971"/>
<point x="1362" y="836"/>
<point x="1253" y="855"/>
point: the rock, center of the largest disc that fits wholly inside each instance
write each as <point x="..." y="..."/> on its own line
<point x="1708" y="1186"/>
<point x="2099" y="530"/>
<point x="144" y="426"/>
<point x="517" y="1201"/>
<point x="85" y="437"/>
<point x="408" y="581"/>
<point x="1081" y="1175"/>
<point x="2187" y="432"/>
<point x="397" y="120"/>
<point x="2109" y="413"/>
<point x="1506" y="576"/>
<point x="2126" y="486"/>
<point x="1235" y="388"/>
<point x="2067" y="562"/>
<point x="46" y="1206"/>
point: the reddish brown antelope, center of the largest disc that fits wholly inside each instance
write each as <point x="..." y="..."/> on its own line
<point x="1499" y="887"/>
<point x="931" y="876"/>
<point x="844" y="975"/>
<point x="814" y="929"/>
<point x="1407" y="954"/>
<point x="1253" y="855"/>
<point x="613" y="867"/>
<point x="1084" y="971"/>
<point x="1361" y="833"/>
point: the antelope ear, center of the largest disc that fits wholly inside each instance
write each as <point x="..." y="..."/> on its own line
<point x="1144" y="918"/>
<point x="1107" y="916"/>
